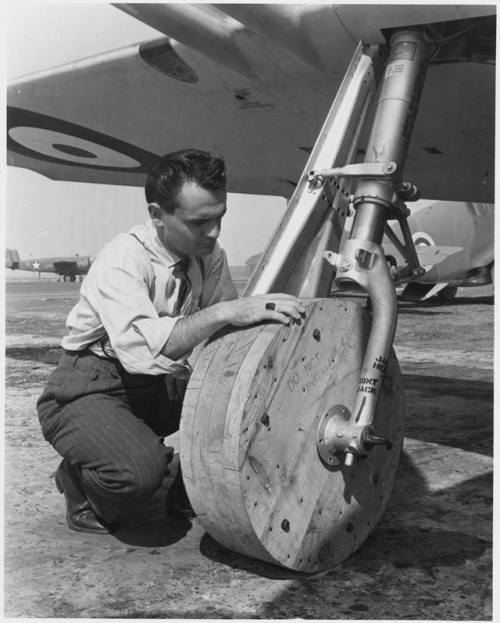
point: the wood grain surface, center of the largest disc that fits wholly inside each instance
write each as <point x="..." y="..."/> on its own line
<point x="248" y="438"/>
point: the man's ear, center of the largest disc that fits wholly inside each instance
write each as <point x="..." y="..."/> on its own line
<point x="155" y="213"/>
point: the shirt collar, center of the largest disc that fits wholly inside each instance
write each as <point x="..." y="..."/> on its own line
<point x="148" y="235"/>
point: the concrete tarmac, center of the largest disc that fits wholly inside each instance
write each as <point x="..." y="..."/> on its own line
<point x="429" y="558"/>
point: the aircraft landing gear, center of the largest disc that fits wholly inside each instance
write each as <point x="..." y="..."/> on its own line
<point x="290" y="436"/>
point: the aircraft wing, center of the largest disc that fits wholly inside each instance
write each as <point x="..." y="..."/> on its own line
<point x="254" y="83"/>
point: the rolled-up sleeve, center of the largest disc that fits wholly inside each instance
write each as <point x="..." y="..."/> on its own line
<point x="119" y="290"/>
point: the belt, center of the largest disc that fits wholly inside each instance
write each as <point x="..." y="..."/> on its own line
<point x="86" y="352"/>
<point x="128" y="377"/>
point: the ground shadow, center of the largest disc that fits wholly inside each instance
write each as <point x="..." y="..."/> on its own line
<point x="458" y="300"/>
<point x="149" y="525"/>
<point x="388" y="554"/>
<point x="161" y="531"/>
<point x="213" y="550"/>
<point x="412" y="311"/>
<point x="41" y="354"/>
<point x="397" y="546"/>
<point x="449" y="411"/>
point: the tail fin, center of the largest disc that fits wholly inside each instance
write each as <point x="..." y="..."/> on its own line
<point x="12" y="259"/>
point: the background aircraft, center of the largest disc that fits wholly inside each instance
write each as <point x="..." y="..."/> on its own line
<point x="454" y="242"/>
<point x="67" y="267"/>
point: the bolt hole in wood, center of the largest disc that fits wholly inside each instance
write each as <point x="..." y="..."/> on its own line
<point x="285" y="525"/>
<point x="317" y="335"/>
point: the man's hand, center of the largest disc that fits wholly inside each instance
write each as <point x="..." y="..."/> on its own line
<point x="251" y="309"/>
<point x="176" y="388"/>
<point x="193" y="330"/>
<point x="176" y="382"/>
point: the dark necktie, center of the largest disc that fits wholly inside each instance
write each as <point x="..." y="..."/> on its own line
<point x="180" y="271"/>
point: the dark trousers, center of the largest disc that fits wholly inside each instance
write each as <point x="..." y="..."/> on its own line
<point x="108" y="424"/>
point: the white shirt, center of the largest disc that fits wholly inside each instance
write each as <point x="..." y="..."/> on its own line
<point x="129" y="296"/>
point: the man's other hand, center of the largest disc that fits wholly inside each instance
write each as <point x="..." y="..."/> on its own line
<point x="176" y="382"/>
<point x="176" y="388"/>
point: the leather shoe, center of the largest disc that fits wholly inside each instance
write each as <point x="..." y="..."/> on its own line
<point x="79" y="514"/>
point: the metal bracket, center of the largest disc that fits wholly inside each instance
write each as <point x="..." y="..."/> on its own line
<point x="339" y="440"/>
<point x="362" y="170"/>
<point x="365" y="258"/>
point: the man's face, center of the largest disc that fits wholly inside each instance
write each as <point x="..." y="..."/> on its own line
<point x="193" y="227"/>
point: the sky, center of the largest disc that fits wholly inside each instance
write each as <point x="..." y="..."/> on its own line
<point x="51" y="218"/>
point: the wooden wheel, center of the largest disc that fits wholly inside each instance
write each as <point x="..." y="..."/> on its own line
<point x="248" y="439"/>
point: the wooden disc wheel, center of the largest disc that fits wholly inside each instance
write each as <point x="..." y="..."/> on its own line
<point x="248" y="439"/>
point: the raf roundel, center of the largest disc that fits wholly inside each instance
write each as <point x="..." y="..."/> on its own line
<point x="35" y="135"/>
<point x="73" y="148"/>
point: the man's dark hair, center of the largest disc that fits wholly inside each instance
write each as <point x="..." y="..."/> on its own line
<point x="167" y="176"/>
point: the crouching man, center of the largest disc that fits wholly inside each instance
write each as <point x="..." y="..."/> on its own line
<point x="150" y="297"/>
